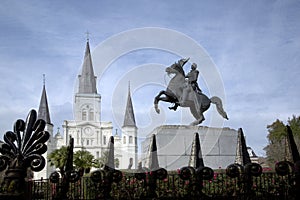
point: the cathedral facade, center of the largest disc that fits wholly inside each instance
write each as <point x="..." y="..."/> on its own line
<point x="89" y="132"/>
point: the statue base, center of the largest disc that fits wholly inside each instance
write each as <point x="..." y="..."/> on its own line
<point x="174" y="142"/>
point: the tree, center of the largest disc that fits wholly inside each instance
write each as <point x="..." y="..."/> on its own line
<point x="100" y="162"/>
<point x="83" y="159"/>
<point x="58" y="158"/>
<point x="276" y="149"/>
<point x="294" y="123"/>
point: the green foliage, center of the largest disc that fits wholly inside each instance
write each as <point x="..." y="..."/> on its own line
<point x="276" y="150"/>
<point x="277" y="131"/>
<point x="294" y="123"/>
<point x="100" y="162"/>
<point x="58" y="158"/>
<point x="83" y="159"/>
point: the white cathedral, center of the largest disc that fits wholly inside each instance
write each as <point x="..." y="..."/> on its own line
<point x="88" y="131"/>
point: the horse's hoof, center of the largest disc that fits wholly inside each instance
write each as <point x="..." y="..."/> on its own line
<point x="173" y="108"/>
<point x="156" y="109"/>
<point x="194" y="123"/>
<point x="197" y="122"/>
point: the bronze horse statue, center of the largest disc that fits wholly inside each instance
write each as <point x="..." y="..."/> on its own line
<point x="195" y="100"/>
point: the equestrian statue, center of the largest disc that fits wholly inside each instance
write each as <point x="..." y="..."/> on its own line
<point x="183" y="91"/>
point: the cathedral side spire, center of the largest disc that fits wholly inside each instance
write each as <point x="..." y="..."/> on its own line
<point x="129" y="119"/>
<point x="87" y="79"/>
<point x="43" y="112"/>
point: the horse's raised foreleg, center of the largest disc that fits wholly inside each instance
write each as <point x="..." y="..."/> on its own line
<point x="166" y="98"/>
<point x="157" y="99"/>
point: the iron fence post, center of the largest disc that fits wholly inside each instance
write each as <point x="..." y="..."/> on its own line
<point x="68" y="176"/>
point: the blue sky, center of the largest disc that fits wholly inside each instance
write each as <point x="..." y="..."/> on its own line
<point x="254" y="45"/>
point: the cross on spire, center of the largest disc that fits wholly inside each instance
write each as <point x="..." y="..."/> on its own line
<point x="129" y="86"/>
<point x="44" y="79"/>
<point x="87" y="35"/>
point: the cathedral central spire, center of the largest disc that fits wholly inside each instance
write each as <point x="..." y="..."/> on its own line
<point x="87" y="79"/>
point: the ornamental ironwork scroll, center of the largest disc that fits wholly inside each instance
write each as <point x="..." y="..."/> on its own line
<point x="22" y="150"/>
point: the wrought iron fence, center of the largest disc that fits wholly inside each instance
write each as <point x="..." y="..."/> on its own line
<point x="267" y="185"/>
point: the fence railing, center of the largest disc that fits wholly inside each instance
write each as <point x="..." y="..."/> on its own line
<point x="267" y="185"/>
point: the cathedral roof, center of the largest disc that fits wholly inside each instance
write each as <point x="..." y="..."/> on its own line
<point x="87" y="79"/>
<point x="43" y="112"/>
<point x="129" y="119"/>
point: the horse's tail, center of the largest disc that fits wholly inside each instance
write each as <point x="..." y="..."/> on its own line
<point x="218" y="102"/>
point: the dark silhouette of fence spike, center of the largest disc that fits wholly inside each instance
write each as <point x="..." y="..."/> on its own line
<point x="196" y="159"/>
<point x="69" y="161"/>
<point x="152" y="158"/>
<point x="294" y="153"/>
<point x="292" y="147"/>
<point x="242" y="155"/>
<point x="110" y="163"/>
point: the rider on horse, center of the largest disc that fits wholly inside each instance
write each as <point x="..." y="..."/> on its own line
<point x="192" y="77"/>
<point x="184" y="91"/>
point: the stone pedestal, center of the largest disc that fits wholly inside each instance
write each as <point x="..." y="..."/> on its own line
<point x="174" y="143"/>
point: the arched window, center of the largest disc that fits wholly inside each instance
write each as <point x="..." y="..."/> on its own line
<point x="91" y="115"/>
<point x="130" y="139"/>
<point x="84" y="115"/>
<point x="124" y="139"/>
<point x="104" y="140"/>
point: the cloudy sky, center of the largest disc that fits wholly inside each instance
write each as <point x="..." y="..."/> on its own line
<point x="251" y="48"/>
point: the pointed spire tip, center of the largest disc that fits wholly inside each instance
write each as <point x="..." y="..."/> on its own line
<point x="44" y="79"/>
